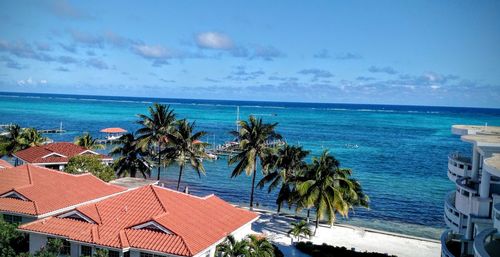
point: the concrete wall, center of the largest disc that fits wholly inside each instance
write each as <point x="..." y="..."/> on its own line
<point x="37" y="242"/>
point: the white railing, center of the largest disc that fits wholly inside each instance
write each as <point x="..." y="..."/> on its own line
<point x="459" y="166"/>
<point x="484" y="238"/>
<point x="446" y="237"/>
<point x="496" y="216"/>
<point x="451" y="214"/>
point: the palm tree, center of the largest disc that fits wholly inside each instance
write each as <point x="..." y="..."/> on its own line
<point x="232" y="248"/>
<point x="185" y="146"/>
<point x="252" y="137"/>
<point x="131" y="158"/>
<point x="300" y="229"/>
<point x="328" y="189"/>
<point x="17" y="139"/>
<point x="287" y="163"/>
<point x="154" y="130"/>
<point x="259" y="247"/>
<point x="87" y="141"/>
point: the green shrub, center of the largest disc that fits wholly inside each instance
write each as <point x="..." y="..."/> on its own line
<point x="90" y="163"/>
<point x="12" y="242"/>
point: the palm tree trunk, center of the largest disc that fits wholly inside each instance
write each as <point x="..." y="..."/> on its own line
<point x="317" y="224"/>
<point x="279" y="208"/>
<point x="181" y="167"/>
<point x="159" y="161"/>
<point x="308" y="214"/>
<point x="253" y="183"/>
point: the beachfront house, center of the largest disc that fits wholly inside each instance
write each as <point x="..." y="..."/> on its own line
<point x="472" y="210"/>
<point x="30" y="192"/>
<point x="148" y="221"/>
<point x="55" y="155"/>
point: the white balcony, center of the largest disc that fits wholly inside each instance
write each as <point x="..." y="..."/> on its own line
<point x="496" y="216"/>
<point x="468" y="201"/>
<point x="487" y="243"/>
<point x="450" y="244"/>
<point x="459" y="166"/>
<point x="451" y="214"/>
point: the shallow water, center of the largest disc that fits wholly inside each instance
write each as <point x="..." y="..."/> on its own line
<point x="399" y="153"/>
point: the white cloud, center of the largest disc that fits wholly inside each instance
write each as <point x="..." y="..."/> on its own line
<point x="30" y="81"/>
<point x="152" y="51"/>
<point x="213" y="40"/>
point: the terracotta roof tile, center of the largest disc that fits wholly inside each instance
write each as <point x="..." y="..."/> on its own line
<point x="5" y="164"/>
<point x="48" y="190"/>
<point x="59" y="152"/>
<point x="195" y="223"/>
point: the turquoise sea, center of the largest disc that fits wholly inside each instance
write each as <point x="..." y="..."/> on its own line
<point x="399" y="153"/>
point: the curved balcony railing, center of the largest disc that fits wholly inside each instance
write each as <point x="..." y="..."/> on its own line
<point x="496" y="216"/>
<point x="451" y="214"/>
<point x="459" y="166"/>
<point x="447" y="238"/>
<point x="486" y="243"/>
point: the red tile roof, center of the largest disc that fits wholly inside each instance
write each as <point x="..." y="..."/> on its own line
<point x="48" y="190"/>
<point x="5" y="164"/>
<point x="193" y="223"/>
<point x="53" y="153"/>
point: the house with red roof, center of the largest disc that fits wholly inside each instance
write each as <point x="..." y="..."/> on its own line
<point x="55" y="155"/>
<point x="30" y="192"/>
<point x="147" y="221"/>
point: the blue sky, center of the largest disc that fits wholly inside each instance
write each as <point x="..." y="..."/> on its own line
<point x="383" y="52"/>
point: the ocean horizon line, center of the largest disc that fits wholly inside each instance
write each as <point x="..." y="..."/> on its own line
<point x="244" y="102"/>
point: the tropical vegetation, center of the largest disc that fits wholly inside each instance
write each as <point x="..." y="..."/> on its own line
<point x="251" y="246"/>
<point x="131" y="159"/>
<point x="300" y="229"/>
<point x="17" y="139"/>
<point x="328" y="189"/>
<point x="286" y="166"/>
<point x="90" y="163"/>
<point x="253" y="137"/>
<point x="12" y="242"/>
<point x="186" y="146"/>
<point x="87" y="141"/>
<point x="152" y="135"/>
<point x="325" y="250"/>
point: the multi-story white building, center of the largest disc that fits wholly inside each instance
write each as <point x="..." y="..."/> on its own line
<point x="472" y="210"/>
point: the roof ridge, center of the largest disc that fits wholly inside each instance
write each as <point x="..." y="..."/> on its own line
<point x="182" y="193"/>
<point x="158" y="199"/>
<point x="186" y="244"/>
<point x="95" y="234"/>
<point x="29" y="174"/>
<point x="123" y="239"/>
<point x="98" y="213"/>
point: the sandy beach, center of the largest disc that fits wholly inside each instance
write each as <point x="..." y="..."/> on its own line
<point x="361" y="239"/>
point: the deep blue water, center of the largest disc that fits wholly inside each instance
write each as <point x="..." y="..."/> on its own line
<point x="401" y="158"/>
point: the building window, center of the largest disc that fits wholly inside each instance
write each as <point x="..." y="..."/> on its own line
<point x="12" y="218"/>
<point x="85" y="250"/>
<point x="113" y="254"/>
<point x="149" y="255"/>
<point x="66" y="248"/>
<point x="126" y="254"/>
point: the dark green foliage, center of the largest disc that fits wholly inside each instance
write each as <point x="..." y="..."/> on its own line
<point x="131" y="160"/>
<point x="11" y="241"/>
<point x="251" y="246"/>
<point x="325" y="250"/>
<point x="90" y="163"/>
